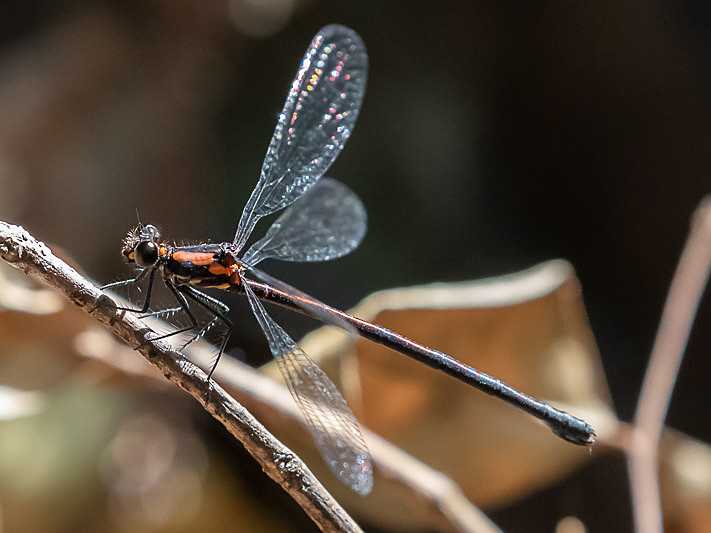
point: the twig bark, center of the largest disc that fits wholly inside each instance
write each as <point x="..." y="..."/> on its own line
<point x="677" y="318"/>
<point x="20" y="249"/>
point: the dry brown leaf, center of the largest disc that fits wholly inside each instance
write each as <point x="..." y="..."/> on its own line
<point x="685" y="477"/>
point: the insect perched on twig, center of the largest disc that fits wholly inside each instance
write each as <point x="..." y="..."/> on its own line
<point x="324" y="220"/>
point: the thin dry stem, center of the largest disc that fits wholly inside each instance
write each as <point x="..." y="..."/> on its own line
<point x="677" y="318"/>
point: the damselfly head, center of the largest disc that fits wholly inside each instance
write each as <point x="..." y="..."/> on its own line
<point x="140" y="245"/>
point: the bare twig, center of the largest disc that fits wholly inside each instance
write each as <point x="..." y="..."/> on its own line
<point x="23" y="251"/>
<point x="684" y="294"/>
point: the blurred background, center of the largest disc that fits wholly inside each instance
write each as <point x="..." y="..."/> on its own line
<point x="493" y="136"/>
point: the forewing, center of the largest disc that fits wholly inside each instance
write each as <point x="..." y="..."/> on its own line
<point x="327" y="222"/>
<point x="326" y="415"/>
<point x="317" y="119"/>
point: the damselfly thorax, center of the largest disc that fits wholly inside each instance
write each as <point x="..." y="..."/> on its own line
<point x="204" y="266"/>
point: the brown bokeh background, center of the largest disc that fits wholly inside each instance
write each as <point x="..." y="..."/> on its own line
<point x="493" y="136"/>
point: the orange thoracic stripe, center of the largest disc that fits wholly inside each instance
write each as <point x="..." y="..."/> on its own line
<point x="195" y="258"/>
<point x="218" y="269"/>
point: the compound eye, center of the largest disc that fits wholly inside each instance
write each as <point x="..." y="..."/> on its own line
<point x="146" y="254"/>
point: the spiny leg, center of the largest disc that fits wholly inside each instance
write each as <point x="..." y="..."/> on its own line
<point x="201" y="333"/>
<point x="150" y="272"/>
<point x="213" y="305"/>
<point x="161" y="312"/>
<point x="185" y="307"/>
<point x="217" y="308"/>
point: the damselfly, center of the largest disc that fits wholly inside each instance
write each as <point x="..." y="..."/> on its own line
<point x="324" y="220"/>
